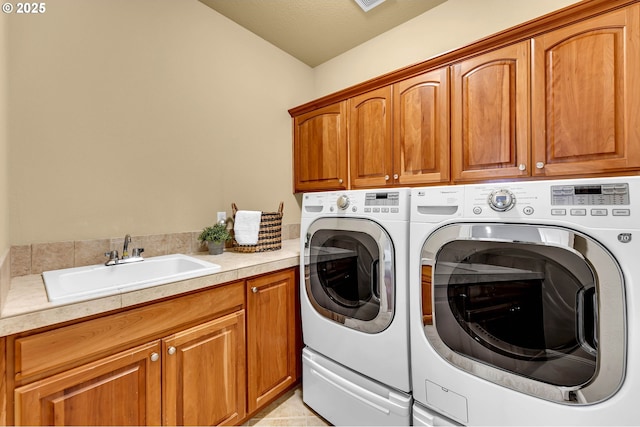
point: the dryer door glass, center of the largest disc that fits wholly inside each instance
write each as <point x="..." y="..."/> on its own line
<point x="539" y="307"/>
<point x="350" y="273"/>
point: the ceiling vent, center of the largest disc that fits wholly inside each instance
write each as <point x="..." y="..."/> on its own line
<point x="367" y="5"/>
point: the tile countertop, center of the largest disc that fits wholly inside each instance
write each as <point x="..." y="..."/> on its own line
<point x="27" y="306"/>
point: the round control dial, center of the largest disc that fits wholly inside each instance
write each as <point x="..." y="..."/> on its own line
<point x="501" y="200"/>
<point x="343" y="202"/>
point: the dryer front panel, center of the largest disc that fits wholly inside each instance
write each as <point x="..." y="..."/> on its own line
<point x="349" y="273"/>
<point x="539" y="309"/>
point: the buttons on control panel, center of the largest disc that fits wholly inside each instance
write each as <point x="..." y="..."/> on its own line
<point x="592" y="194"/>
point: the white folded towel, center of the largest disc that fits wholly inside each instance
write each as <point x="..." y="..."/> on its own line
<point x="247" y="226"/>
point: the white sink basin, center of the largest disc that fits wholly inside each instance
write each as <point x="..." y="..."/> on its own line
<point x="82" y="283"/>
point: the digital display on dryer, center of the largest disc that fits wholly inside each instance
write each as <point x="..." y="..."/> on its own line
<point x="382" y="199"/>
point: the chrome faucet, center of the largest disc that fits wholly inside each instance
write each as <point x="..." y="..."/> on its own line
<point x="125" y="248"/>
<point x="113" y="255"/>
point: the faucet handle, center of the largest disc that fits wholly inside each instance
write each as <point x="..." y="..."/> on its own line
<point x="112" y="254"/>
<point x="113" y="258"/>
<point x="137" y="251"/>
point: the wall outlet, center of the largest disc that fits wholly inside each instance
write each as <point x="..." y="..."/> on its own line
<point x="222" y="216"/>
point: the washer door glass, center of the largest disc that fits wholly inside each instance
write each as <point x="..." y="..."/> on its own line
<point x="543" y="305"/>
<point x="349" y="272"/>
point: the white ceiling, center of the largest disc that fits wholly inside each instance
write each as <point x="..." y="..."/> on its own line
<point x="315" y="31"/>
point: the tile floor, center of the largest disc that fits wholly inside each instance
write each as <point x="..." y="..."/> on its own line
<point x="288" y="410"/>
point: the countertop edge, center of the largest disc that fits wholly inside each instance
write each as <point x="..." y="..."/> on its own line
<point x="27" y="306"/>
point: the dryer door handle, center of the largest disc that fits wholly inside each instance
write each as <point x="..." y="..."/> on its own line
<point x="587" y="320"/>
<point x="375" y="282"/>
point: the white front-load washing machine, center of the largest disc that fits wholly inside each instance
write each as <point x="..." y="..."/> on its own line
<point x="354" y="306"/>
<point x="524" y="301"/>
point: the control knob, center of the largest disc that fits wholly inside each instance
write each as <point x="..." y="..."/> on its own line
<point x="501" y="200"/>
<point x="343" y="202"/>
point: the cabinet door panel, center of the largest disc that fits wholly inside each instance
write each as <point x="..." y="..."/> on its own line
<point x="320" y="149"/>
<point x="123" y="389"/>
<point x="490" y="111"/>
<point x="370" y="139"/>
<point x="204" y="373"/>
<point x="271" y="337"/>
<point x="421" y="128"/>
<point x="586" y="96"/>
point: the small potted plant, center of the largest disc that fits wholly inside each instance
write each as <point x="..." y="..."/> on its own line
<point x="215" y="236"/>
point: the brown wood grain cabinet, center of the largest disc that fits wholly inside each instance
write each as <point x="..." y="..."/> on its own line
<point x="558" y="96"/>
<point x="204" y="374"/>
<point x="421" y="129"/>
<point x="212" y="357"/>
<point x="123" y="389"/>
<point x="320" y="149"/>
<point x="586" y="96"/>
<point x="370" y="143"/>
<point x="490" y="115"/>
<point x="399" y="134"/>
<point x="271" y="336"/>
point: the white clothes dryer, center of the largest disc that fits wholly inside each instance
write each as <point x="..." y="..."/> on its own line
<point x="354" y="306"/>
<point x="524" y="301"/>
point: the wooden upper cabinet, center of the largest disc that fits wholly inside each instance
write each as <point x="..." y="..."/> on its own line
<point x="421" y="129"/>
<point x="586" y="97"/>
<point x="490" y="115"/>
<point x="320" y="149"/>
<point x="370" y="144"/>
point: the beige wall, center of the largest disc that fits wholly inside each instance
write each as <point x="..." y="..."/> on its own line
<point x="448" y="26"/>
<point x="144" y="117"/>
<point x="4" y="141"/>
<point x="148" y="116"/>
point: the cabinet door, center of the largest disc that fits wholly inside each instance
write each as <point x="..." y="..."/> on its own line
<point x="271" y="336"/>
<point x="490" y="115"/>
<point x="204" y="373"/>
<point x="123" y="389"/>
<point x="586" y="98"/>
<point x="320" y="149"/>
<point x="421" y="129"/>
<point x="370" y="149"/>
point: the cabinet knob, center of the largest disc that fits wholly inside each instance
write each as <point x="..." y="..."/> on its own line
<point x="171" y="350"/>
<point x="386" y="177"/>
<point x="154" y="357"/>
<point x="540" y="165"/>
<point x="395" y="176"/>
<point x="254" y="289"/>
<point x="340" y="181"/>
<point x="522" y="167"/>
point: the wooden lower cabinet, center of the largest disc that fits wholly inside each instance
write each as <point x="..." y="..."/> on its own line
<point x="214" y="357"/>
<point x="271" y="336"/>
<point x="123" y="389"/>
<point x="201" y="369"/>
<point x="204" y="374"/>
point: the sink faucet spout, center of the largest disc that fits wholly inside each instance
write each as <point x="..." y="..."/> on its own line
<point x="125" y="248"/>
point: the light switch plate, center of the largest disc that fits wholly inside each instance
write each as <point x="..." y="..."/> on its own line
<point x="222" y="216"/>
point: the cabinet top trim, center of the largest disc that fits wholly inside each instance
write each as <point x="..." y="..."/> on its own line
<point x="527" y="30"/>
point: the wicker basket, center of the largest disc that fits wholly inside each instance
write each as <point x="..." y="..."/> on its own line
<point x="269" y="236"/>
